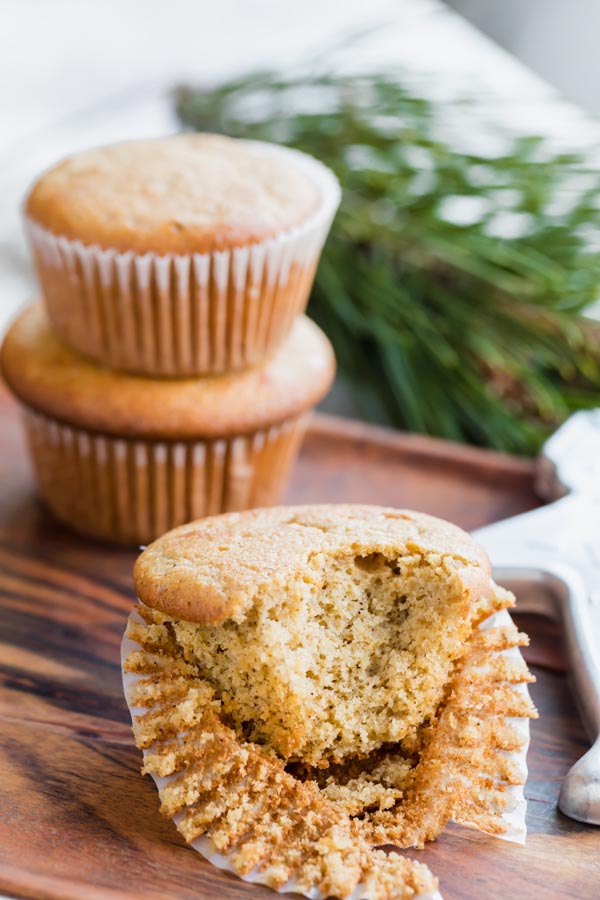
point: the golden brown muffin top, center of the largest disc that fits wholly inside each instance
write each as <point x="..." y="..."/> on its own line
<point x="181" y="194"/>
<point x="49" y="377"/>
<point x="211" y="570"/>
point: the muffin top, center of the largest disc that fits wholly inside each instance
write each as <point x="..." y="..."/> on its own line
<point x="212" y="569"/>
<point x="49" y="377"/>
<point x="180" y="194"/>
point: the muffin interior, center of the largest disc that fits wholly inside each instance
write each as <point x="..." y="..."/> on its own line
<point x="354" y="653"/>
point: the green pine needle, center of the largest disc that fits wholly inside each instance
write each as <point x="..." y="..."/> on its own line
<point x="467" y="329"/>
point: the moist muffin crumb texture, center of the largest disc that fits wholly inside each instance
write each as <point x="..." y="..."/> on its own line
<point x="350" y="633"/>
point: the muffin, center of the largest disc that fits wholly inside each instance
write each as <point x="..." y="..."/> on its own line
<point x="124" y="458"/>
<point x="186" y="255"/>
<point x="310" y="683"/>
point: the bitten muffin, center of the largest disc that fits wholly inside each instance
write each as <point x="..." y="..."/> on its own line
<point x="308" y="683"/>
<point x="190" y="254"/>
<point x="124" y="458"/>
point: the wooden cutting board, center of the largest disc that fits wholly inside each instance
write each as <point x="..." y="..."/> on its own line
<point x="76" y="818"/>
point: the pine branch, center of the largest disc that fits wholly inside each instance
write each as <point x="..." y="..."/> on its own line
<point x="452" y="284"/>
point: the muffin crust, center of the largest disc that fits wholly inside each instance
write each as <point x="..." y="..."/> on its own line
<point x="50" y="378"/>
<point x="186" y="193"/>
<point x="210" y="570"/>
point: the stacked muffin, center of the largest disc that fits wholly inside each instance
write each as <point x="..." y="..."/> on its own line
<point x="167" y="371"/>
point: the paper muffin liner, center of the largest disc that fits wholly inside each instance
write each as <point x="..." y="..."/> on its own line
<point x="177" y="315"/>
<point x="132" y="491"/>
<point x="512" y="817"/>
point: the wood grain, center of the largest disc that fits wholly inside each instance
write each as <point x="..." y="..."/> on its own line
<point x="77" y="820"/>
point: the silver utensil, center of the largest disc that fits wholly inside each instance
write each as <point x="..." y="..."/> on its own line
<point x="550" y="559"/>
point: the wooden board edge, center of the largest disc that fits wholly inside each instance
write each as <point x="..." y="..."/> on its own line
<point x="433" y="448"/>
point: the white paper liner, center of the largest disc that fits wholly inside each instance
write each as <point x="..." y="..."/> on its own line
<point x="514" y="818"/>
<point x="189" y="314"/>
<point x="132" y="491"/>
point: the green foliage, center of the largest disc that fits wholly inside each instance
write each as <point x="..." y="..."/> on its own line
<point x="449" y="316"/>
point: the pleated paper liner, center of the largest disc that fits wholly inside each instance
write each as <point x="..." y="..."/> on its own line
<point x="132" y="491"/>
<point x="251" y="822"/>
<point x="196" y="314"/>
